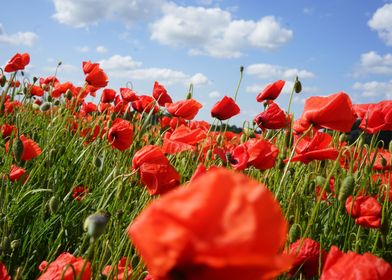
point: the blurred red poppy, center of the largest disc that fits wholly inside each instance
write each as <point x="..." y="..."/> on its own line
<point x="262" y="154"/>
<point x="108" y="95"/>
<point x="145" y="103"/>
<point x="271" y="91"/>
<point x="186" y="109"/>
<point x="225" y="109"/>
<point x="308" y="257"/>
<point x="128" y="95"/>
<point x="89" y="107"/>
<point x="48" y="81"/>
<point x="366" y="210"/>
<point x="155" y="170"/>
<point x="55" y="270"/>
<point x="3" y="272"/>
<point x="88" y="66"/>
<point x="17" y="173"/>
<point x="7" y="130"/>
<point x="36" y="90"/>
<point x="123" y="271"/>
<point x="377" y="117"/>
<point x="17" y="62"/>
<point x="30" y="148"/>
<point x="383" y="160"/>
<point x="97" y="77"/>
<point x="120" y="134"/>
<point x="60" y="89"/>
<point x="272" y="118"/>
<point x="79" y="192"/>
<point x="333" y="112"/>
<point x="351" y="265"/>
<point x="182" y="139"/>
<point x="196" y="225"/>
<point x="160" y="94"/>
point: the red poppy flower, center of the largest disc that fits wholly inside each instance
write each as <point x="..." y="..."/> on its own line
<point x="186" y="109"/>
<point x="377" y="117"/>
<point x="314" y="147"/>
<point x="17" y="173"/>
<point x="155" y="170"/>
<point x="89" y="107"/>
<point x="60" y="89"/>
<point x="383" y="160"/>
<point x="196" y="239"/>
<point x="36" y="90"/>
<point x="182" y="139"/>
<point x="122" y="271"/>
<point x="30" y="148"/>
<point x="160" y="94"/>
<point x="3" y="272"/>
<point x="48" y="81"/>
<point x="307" y="257"/>
<point x="145" y="103"/>
<point x="17" y="62"/>
<point x="351" y="265"/>
<point x="55" y="270"/>
<point x="79" y="192"/>
<point x="333" y="112"/>
<point x="272" y="118"/>
<point x="7" y="130"/>
<point x="262" y="154"/>
<point x="128" y="94"/>
<point x="271" y="91"/>
<point x="225" y="109"/>
<point x="365" y="210"/>
<point x="88" y="66"/>
<point x="97" y="77"/>
<point x="200" y="124"/>
<point x="120" y="134"/>
<point x="108" y="95"/>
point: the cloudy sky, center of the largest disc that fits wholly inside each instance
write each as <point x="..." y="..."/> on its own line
<point x="331" y="45"/>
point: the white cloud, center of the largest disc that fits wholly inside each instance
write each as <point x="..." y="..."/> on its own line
<point x="82" y="49"/>
<point x="374" y="63"/>
<point x="119" y="66"/>
<point x="18" y="38"/>
<point x="118" y="63"/>
<point x="375" y="89"/>
<point x="270" y="71"/>
<point x="381" y="22"/>
<point x="214" y="94"/>
<point x="101" y="49"/>
<point x="83" y="13"/>
<point x="213" y="31"/>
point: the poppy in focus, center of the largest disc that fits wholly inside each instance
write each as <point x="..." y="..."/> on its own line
<point x="272" y="118"/>
<point x="366" y="211"/>
<point x="160" y="94"/>
<point x="225" y="109"/>
<point x="271" y="91"/>
<point x="97" y="77"/>
<point x="120" y="134"/>
<point x="186" y="109"/>
<point x="17" y="62"/>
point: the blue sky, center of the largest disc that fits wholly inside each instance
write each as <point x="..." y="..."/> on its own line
<point x="331" y="45"/>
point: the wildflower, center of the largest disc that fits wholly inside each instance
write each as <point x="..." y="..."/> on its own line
<point x="223" y="225"/>
<point x="108" y="95"/>
<point x="160" y="94"/>
<point x="3" y="272"/>
<point x="128" y="94"/>
<point x="365" y="210"/>
<point x="145" y="103"/>
<point x="272" y="118"/>
<point x="225" y="109"/>
<point x="120" y="134"/>
<point x="271" y="91"/>
<point x="262" y="154"/>
<point x="79" y="192"/>
<point x="97" y="77"/>
<point x="17" y="173"/>
<point x="186" y="109"/>
<point x="17" y="62"/>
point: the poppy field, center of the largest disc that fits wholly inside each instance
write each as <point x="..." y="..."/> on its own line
<point x="134" y="186"/>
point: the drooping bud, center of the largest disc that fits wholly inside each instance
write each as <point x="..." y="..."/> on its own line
<point x="384" y="162"/>
<point x="95" y="224"/>
<point x="342" y="138"/>
<point x="45" y="106"/>
<point x="346" y="188"/>
<point x="3" y="80"/>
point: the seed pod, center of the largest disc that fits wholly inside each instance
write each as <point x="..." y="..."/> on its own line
<point x="209" y="155"/>
<point x="243" y="138"/>
<point x="297" y="85"/>
<point x="45" y="106"/>
<point x="56" y="102"/>
<point x="294" y="232"/>
<point x="219" y="139"/>
<point x="98" y="162"/>
<point x="346" y="188"/>
<point x="54" y="204"/>
<point x="18" y="149"/>
<point x="68" y="94"/>
<point x="383" y="161"/>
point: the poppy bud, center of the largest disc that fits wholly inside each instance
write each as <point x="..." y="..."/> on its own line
<point x="98" y="162"/>
<point x="18" y="149"/>
<point x="209" y="155"/>
<point x="68" y="94"/>
<point x="6" y="245"/>
<point x="342" y="138"/>
<point x="346" y="188"/>
<point x="243" y="138"/>
<point x="45" y="106"/>
<point x="15" y="244"/>
<point x="383" y="162"/>
<point x="242" y="68"/>
<point x="53" y="204"/>
<point x="297" y="85"/>
<point x="219" y="139"/>
<point x="35" y="79"/>
<point x="189" y="95"/>
<point x="35" y="106"/>
<point x="3" y="80"/>
<point x="50" y="98"/>
<point x="95" y="224"/>
<point x="294" y="232"/>
<point x="56" y="102"/>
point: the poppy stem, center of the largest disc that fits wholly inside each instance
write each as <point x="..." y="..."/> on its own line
<point x="239" y="82"/>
